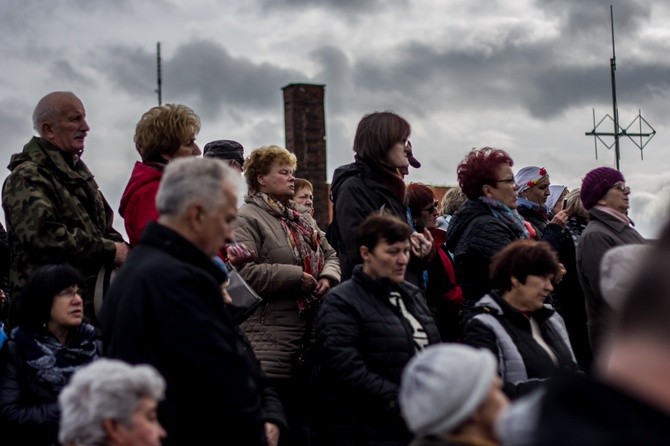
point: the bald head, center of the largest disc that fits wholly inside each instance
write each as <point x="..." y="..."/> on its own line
<point x="60" y="118"/>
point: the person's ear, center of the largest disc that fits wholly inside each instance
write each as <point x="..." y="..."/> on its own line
<point x="365" y="253"/>
<point x="114" y="431"/>
<point x="47" y="129"/>
<point x="195" y="213"/>
<point x="515" y="282"/>
<point x="260" y="179"/>
<point x="487" y="190"/>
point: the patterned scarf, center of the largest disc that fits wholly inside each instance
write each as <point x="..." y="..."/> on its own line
<point x="303" y="238"/>
<point x="507" y="215"/>
<point x="50" y="363"/>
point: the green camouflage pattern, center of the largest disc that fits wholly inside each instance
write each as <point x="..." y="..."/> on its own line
<point x="55" y="213"/>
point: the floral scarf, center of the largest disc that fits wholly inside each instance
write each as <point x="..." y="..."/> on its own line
<point x="50" y="363"/>
<point x="303" y="238"/>
<point x="507" y="215"/>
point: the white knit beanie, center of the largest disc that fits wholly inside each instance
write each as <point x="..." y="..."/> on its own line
<point x="443" y="385"/>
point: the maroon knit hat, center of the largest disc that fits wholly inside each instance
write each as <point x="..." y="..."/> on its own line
<point x="596" y="183"/>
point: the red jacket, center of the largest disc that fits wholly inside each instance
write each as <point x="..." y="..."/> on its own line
<point x="138" y="202"/>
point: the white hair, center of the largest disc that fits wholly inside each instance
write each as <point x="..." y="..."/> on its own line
<point x="192" y="179"/>
<point x="104" y="389"/>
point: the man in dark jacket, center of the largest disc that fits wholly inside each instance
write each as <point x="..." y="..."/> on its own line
<point x="165" y="308"/>
<point x="54" y="209"/>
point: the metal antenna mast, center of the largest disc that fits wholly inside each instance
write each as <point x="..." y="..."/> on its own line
<point x="159" y="89"/>
<point x="648" y="132"/>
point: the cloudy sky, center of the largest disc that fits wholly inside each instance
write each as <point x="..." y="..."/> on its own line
<point x="520" y="75"/>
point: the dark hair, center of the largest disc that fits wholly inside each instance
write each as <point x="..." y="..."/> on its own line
<point x="377" y="227"/>
<point x="376" y="133"/>
<point x="646" y="306"/>
<point x="36" y="299"/>
<point x="479" y="168"/>
<point x="520" y="259"/>
<point x="419" y="196"/>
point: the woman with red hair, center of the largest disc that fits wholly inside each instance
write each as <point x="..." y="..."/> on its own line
<point x="443" y="294"/>
<point x="487" y="222"/>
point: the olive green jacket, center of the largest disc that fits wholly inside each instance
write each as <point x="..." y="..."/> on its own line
<point x="55" y="213"/>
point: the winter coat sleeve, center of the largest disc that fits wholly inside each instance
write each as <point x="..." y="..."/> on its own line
<point x="354" y="203"/>
<point x="331" y="266"/>
<point x="16" y="409"/>
<point x="553" y="234"/>
<point x="140" y="210"/>
<point x="268" y="274"/>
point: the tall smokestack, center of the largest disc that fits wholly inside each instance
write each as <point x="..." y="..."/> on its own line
<point x="305" y="123"/>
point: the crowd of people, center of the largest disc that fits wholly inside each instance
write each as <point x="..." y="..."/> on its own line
<point x="512" y="311"/>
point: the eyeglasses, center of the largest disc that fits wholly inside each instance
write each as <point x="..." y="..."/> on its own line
<point x="622" y="187"/>
<point x="507" y="181"/>
<point x="69" y="293"/>
<point x="431" y="208"/>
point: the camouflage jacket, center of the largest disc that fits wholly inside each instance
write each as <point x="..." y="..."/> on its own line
<point x="55" y="213"/>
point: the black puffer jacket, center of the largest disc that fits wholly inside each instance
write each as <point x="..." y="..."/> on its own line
<point x="523" y="363"/>
<point x="474" y="236"/>
<point x="362" y="344"/>
<point x="357" y="191"/>
<point x="546" y="231"/>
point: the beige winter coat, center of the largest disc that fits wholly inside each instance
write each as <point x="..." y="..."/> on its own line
<point x="274" y="329"/>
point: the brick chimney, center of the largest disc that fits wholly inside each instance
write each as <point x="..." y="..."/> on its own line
<point x="305" y="123"/>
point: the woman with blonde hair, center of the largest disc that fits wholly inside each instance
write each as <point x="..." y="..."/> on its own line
<point x="294" y="268"/>
<point x="162" y="134"/>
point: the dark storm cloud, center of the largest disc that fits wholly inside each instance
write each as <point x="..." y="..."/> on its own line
<point x="201" y="73"/>
<point x="541" y="77"/>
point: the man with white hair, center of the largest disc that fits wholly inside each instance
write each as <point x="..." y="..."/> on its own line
<point x="165" y="309"/>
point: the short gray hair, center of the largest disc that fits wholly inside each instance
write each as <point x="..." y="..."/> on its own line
<point x="48" y="110"/>
<point x="105" y="389"/>
<point x="192" y="179"/>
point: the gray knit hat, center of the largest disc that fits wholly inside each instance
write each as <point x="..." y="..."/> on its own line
<point x="443" y="385"/>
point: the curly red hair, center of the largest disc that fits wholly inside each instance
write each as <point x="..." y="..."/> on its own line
<point x="479" y="168"/>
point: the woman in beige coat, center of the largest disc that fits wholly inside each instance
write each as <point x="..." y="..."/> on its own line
<point x="294" y="268"/>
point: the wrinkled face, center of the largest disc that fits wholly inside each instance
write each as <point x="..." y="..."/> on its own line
<point x="187" y="148"/>
<point x="386" y="260"/>
<point x="397" y="154"/>
<point x="504" y="189"/>
<point x="530" y="296"/>
<point x="428" y="215"/>
<point x="216" y="225"/>
<point x="617" y="198"/>
<point x="305" y="198"/>
<point x="144" y="429"/>
<point x="69" y="130"/>
<point x="492" y="407"/>
<point x="278" y="183"/>
<point x="67" y="309"/>
<point x="538" y="193"/>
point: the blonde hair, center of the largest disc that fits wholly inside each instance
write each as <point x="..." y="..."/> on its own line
<point x="574" y="204"/>
<point x="452" y="201"/>
<point x="163" y="129"/>
<point x="260" y="162"/>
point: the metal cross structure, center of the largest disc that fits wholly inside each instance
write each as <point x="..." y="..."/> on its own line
<point x="645" y="132"/>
